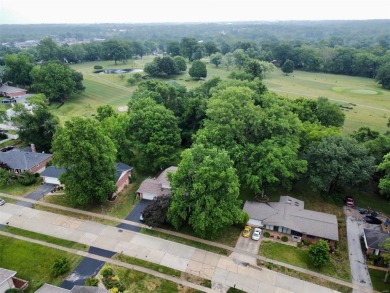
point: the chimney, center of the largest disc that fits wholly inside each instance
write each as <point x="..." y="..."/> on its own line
<point x="33" y="148"/>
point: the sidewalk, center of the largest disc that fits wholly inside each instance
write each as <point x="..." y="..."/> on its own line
<point x="219" y="269"/>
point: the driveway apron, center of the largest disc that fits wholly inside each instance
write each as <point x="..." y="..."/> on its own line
<point x="37" y="194"/>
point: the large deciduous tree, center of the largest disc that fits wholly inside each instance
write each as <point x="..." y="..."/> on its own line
<point x="205" y="192"/>
<point x="38" y="126"/>
<point x="384" y="182"/>
<point x="55" y="80"/>
<point x="117" y="50"/>
<point x="288" y="66"/>
<point x="188" y="47"/>
<point x="155" y="213"/>
<point x="154" y="133"/>
<point x="88" y="156"/>
<point x="198" y="70"/>
<point x="336" y="162"/>
<point x="383" y="75"/>
<point x="20" y="66"/>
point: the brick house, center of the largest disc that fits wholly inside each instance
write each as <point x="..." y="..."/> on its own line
<point x="123" y="174"/>
<point x="289" y="217"/>
<point x="18" y="161"/>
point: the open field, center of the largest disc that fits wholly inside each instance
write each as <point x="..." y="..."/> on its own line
<point x="369" y="102"/>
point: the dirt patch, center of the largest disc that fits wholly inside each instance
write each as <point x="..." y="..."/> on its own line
<point x="122" y="108"/>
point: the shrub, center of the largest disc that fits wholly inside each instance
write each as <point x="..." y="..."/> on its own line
<point x="92" y="282"/>
<point x="26" y="178"/>
<point x="60" y="266"/>
<point x="3" y="136"/>
<point x="299" y="245"/>
<point x="107" y="272"/>
<point x="13" y="290"/>
<point x="245" y="218"/>
<point x="98" y="67"/>
<point x="132" y="80"/>
<point x="284" y="238"/>
<point x="319" y="253"/>
<point x="306" y="242"/>
<point x="266" y="234"/>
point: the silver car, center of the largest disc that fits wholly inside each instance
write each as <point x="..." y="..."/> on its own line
<point x="2" y="202"/>
<point x="256" y="234"/>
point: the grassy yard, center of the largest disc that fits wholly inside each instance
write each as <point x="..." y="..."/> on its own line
<point x="338" y="268"/>
<point x="34" y="267"/>
<point x="17" y="189"/>
<point x="377" y="278"/>
<point x="45" y="238"/>
<point x="135" y="282"/>
<point x="185" y="241"/>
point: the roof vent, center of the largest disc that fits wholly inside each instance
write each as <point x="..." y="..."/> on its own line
<point x="296" y="203"/>
<point x="289" y="201"/>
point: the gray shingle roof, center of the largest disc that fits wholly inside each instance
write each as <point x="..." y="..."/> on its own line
<point x="375" y="239"/>
<point x="17" y="159"/>
<point x="290" y="213"/>
<point x="6" y="275"/>
<point x="55" y="172"/>
<point x="47" y="288"/>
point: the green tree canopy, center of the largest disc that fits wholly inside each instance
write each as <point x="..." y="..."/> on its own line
<point x="180" y="63"/>
<point x="54" y="80"/>
<point x="383" y="75"/>
<point x="20" y="66"/>
<point x="205" y="192"/>
<point x="117" y="50"/>
<point x="88" y="156"/>
<point x="384" y="182"/>
<point x="198" y="70"/>
<point x="319" y="253"/>
<point x="336" y="162"/>
<point x="38" y="126"/>
<point x="216" y="59"/>
<point x="288" y="66"/>
<point x="154" y="134"/>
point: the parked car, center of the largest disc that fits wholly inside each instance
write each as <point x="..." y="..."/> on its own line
<point x="256" y="234"/>
<point x="7" y="101"/>
<point x="2" y="202"/>
<point x="141" y="217"/>
<point x="247" y="231"/>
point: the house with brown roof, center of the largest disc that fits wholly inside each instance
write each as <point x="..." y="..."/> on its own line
<point x="9" y="281"/>
<point x="289" y="217"/>
<point x="153" y="187"/>
<point x="11" y="91"/>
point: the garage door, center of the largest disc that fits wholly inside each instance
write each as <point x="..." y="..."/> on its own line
<point x="148" y="196"/>
<point x="51" y="180"/>
<point x="255" y="223"/>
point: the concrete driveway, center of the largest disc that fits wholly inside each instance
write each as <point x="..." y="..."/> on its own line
<point x="359" y="270"/>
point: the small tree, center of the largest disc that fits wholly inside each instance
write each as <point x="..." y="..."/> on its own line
<point x="60" y="266"/>
<point x="288" y="66"/>
<point x="180" y="63"/>
<point x="155" y="213"/>
<point x="198" y="70"/>
<point x="319" y="253"/>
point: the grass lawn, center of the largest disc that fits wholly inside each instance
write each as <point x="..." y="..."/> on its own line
<point x="46" y="238"/>
<point x="148" y="265"/>
<point x="370" y="103"/>
<point x="185" y="241"/>
<point x="135" y="281"/>
<point x="299" y="257"/>
<point x="34" y="267"/>
<point x="17" y="189"/>
<point x="377" y="278"/>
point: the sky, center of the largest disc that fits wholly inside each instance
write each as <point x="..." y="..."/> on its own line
<point x="152" y="11"/>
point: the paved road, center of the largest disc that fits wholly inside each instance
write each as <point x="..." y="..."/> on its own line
<point x="211" y="266"/>
<point x="359" y="270"/>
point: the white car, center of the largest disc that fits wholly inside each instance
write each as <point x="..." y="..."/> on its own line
<point x="2" y="202"/>
<point x="256" y="234"/>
